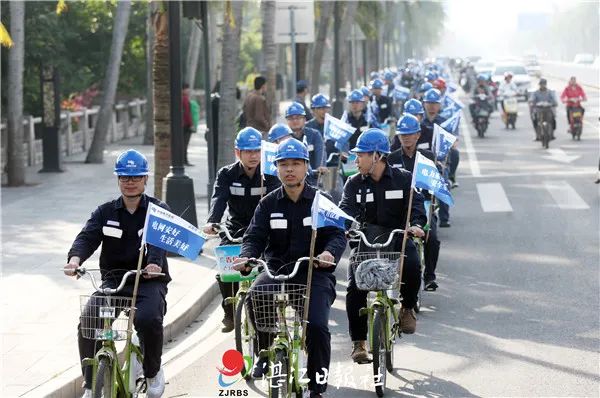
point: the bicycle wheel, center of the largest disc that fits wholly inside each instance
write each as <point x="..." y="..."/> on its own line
<point x="379" y="353"/>
<point x="104" y="380"/>
<point x="391" y="340"/>
<point x="545" y="135"/>
<point x="278" y="383"/>
<point x="245" y="336"/>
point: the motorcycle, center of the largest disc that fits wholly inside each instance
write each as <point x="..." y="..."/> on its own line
<point x="510" y="110"/>
<point x="544" y="117"/>
<point x="575" y="118"/>
<point x="482" y="115"/>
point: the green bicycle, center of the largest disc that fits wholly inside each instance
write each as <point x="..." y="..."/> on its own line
<point x="108" y="318"/>
<point x="278" y="309"/>
<point x="245" y="335"/>
<point x="378" y="272"/>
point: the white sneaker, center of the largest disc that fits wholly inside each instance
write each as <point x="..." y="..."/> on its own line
<point x="87" y="393"/>
<point x="156" y="385"/>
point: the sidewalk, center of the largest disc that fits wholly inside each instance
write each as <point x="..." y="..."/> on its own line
<point x="40" y="306"/>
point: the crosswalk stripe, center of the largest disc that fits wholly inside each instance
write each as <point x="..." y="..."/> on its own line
<point x="565" y="196"/>
<point x="493" y="198"/>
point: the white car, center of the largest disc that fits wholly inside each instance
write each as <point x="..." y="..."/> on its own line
<point x="520" y="77"/>
<point x="584" y="59"/>
<point x="486" y="67"/>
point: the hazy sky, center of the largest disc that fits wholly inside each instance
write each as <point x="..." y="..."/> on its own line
<point x="484" y="27"/>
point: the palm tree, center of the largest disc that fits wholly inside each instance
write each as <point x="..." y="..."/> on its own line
<point x="269" y="50"/>
<point x="109" y="91"/>
<point x="161" y="97"/>
<point x="15" y="154"/>
<point x="230" y="61"/>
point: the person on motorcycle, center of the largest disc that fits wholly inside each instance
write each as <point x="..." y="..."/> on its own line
<point x="507" y="88"/>
<point x="482" y="97"/>
<point x="238" y="189"/>
<point x="378" y="198"/>
<point x="116" y="225"/>
<point x="572" y="96"/>
<point x="542" y="95"/>
<point x="281" y="232"/>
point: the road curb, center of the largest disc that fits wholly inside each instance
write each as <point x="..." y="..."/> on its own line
<point x="68" y="384"/>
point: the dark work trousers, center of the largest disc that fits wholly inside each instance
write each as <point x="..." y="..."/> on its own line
<point x="318" y="338"/>
<point x="187" y="135"/>
<point x="453" y="160"/>
<point x="228" y="289"/>
<point x="432" y="251"/>
<point x="151" y="309"/>
<point x="357" y="299"/>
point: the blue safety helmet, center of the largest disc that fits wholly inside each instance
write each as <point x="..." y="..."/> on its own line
<point x="433" y="95"/>
<point x="301" y="84"/>
<point x="131" y="163"/>
<point x="319" y="101"/>
<point x="388" y="75"/>
<point x="356" y="96"/>
<point x="295" y="109"/>
<point x="372" y="140"/>
<point x="377" y="84"/>
<point x="279" y="131"/>
<point x="291" y="149"/>
<point x="425" y="86"/>
<point x="408" y="124"/>
<point x="482" y="76"/>
<point x="430" y="75"/>
<point x="248" y="139"/>
<point x="365" y="91"/>
<point x="414" y="107"/>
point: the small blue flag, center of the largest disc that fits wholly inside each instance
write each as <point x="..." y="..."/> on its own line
<point x="268" y="150"/>
<point x="336" y="130"/>
<point x="401" y="93"/>
<point x="442" y="142"/>
<point x="326" y="214"/>
<point x="448" y="102"/>
<point x="427" y="176"/>
<point x="172" y="233"/>
<point x="451" y="124"/>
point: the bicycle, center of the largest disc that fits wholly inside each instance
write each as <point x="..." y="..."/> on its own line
<point x="420" y="244"/>
<point x="544" y="117"/>
<point x="269" y="303"/>
<point x="378" y="271"/>
<point x="245" y="335"/>
<point x="108" y="318"/>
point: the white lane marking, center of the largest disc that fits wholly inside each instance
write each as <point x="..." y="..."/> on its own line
<point x="472" y="156"/>
<point x="565" y="196"/>
<point x="561" y="156"/>
<point x="493" y="198"/>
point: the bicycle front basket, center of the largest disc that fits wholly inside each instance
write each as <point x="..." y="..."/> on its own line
<point x="374" y="271"/>
<point x="265" y="299"/>
<point x="104" y="317"/>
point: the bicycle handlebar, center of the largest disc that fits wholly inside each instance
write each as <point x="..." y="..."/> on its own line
<point x="223" y="228"/>
<point x="357" y="234"/>
<point x="253" y="262"/>
<point x="81" y="271"/>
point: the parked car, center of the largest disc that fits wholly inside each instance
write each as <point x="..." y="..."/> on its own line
<point x="520" y="77"/>
<point x="584" y="59"/>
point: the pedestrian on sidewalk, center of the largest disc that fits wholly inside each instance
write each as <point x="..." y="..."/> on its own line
<point x="117" y="225"/>
<point x="187" y="122"/>
<point x="255" y="109"/>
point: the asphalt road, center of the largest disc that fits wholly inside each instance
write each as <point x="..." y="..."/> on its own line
<point x="517" y="310"/>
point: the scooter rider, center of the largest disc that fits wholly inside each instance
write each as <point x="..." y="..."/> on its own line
<point x="540" y="96"/>
<point x="572" y="96"/>
<point x="281" y="230"/>
<point x="238" y="189"/>
<point x="408" y="130"/>
<point x="507" y="88"/>
<point x="481" y="88"/>
<point x="378" y="198"/>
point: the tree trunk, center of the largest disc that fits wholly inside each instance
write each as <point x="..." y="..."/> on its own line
<point x="15" y="165"/>
<point x="193" y="54"/>
<point x="111" y="79"/>
<point x="232" y="24"/>
<point x="319" y="47"/>
<point x="347" y="21"/>
<point x="161" y="97"/>
<point x="149" y="115"/>
<point x="301" y="55"/>
<point x="269" y="51"/>
<point x="215" y="37"/>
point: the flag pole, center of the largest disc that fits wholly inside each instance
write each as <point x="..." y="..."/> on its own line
<point x="313" y="239"/>
<point x="134" y="299"/>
